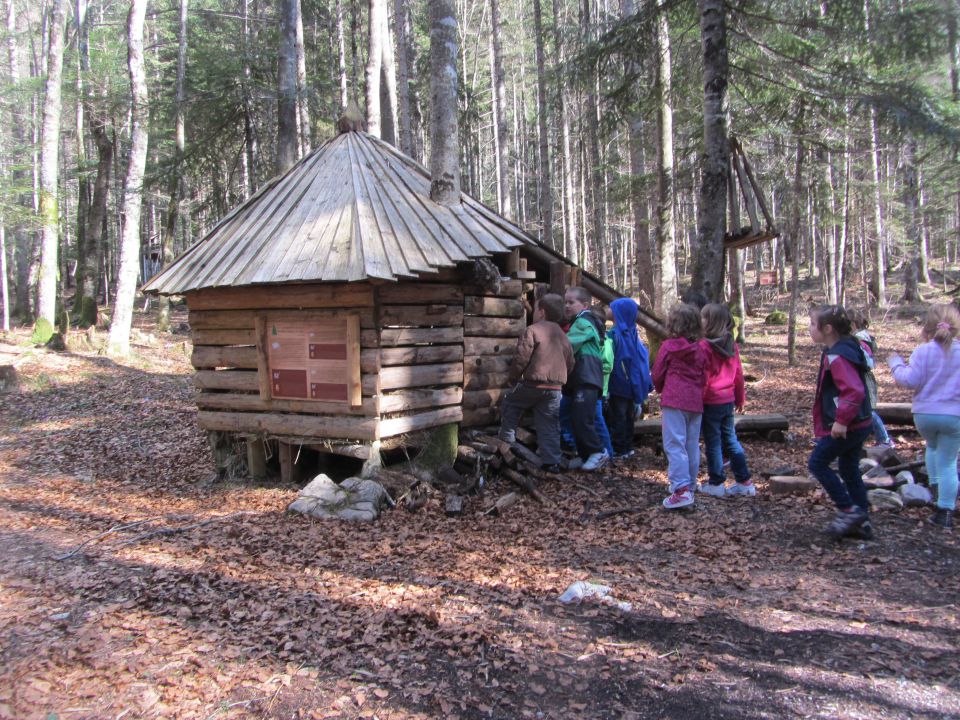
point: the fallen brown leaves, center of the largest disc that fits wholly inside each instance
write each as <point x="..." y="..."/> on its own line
<point x="135" y="585"/>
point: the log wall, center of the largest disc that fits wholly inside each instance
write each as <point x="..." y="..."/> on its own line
<point x="491" y="326"/>
<point x="223" y="322"/>
<point x="421" y="355"/>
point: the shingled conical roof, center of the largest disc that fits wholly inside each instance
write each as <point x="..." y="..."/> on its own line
<point x="354" y="209"/>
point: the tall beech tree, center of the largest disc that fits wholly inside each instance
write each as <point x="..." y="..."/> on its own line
<point x="444" y="132"/>
<point x="119" y="340"/>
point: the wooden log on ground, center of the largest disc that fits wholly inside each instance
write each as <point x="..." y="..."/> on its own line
<point x="527" y="484"/>
<point x="759" y="423"/>
<point x="502" y="504"/>
<point x="792" y="485"/>
<point x="895" y="413"/>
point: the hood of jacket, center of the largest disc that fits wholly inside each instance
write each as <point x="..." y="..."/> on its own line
<point x="723" y="345"/>
<point x="849" y="348"/>
<point x="625" y="312"/>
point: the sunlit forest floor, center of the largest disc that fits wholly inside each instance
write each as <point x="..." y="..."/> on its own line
<point x="739" y="609"/>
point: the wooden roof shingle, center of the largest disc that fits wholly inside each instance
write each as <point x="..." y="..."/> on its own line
<point x="354" y="209"/>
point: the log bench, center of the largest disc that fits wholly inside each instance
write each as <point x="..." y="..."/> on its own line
<point x="771" y="426"/>
<point x="895" y="413"/>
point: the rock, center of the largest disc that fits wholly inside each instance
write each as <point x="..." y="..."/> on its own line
<point x="884" y="500"/>
<point x="792" y="485"/>
<point x="867" y="464"/>
<point x="354" y="499"/>
<point x="905" y="477"/>
<point x="915" y="495"/>
<point x="454" y="505"/>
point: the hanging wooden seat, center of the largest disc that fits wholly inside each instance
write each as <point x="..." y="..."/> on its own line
<point x="740" y="175"/>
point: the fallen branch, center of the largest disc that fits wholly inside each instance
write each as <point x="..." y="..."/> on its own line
<point x="527" y="484"/>
<point x="115" y="528"/>
<point x="174" y="531"/>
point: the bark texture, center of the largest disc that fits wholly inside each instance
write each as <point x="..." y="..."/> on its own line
<point x="444" y="142"/>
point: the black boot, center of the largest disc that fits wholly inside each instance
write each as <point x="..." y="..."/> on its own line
<point x="942" y="518"/>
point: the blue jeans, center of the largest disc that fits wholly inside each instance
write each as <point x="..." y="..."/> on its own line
<point x="566" y="425"/>
<point x="719" y="437"/>
<point x="845" y="489"/>
<point x="942" y="435"/>
<point x="681" y="445"/>
<point x="880" y="430"/>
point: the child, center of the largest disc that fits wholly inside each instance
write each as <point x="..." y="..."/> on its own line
<point x="723" y="392"/>
<point x="841" y="420"/>
<point x="539" y="369"/>
<point x="585" y="383"/>
<point x="934" y="376"/>
<point x="630" y="377"/>
<point x="860" y="322"/>
<point x="678" y="375"/>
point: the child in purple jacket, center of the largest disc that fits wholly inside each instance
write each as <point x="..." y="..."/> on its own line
<point x="679" y="377"/>
<point x="934" y="376"/>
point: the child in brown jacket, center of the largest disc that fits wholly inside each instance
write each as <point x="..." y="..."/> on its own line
<point x="543" y="359"/>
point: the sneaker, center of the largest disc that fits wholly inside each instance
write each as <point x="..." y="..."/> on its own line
<point x="574" y="463"/>
<point x="845" y="522"/>
<point x="714" y="490"/>
<point x="681" y="498"/>
<point x="552" y="468"/>
<point x="597" y="460"/>
<point x="742" y="489"/>
<point x="864" y="532"/>
<point x="942" y="518"/>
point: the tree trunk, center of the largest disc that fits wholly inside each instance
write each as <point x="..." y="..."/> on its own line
<point x="911" y="222"/>
<point x="249" y="136"/>
<point x="388" y="86"/>
<point x="49" y="167"/>
<point x="83" y="182"/>
<point x="404" y="66"/>
<point x="341" y="58"/>
<point x="175" y="186"/>
<point x="500" y="113"/>
<point x="545" y="188"/>
<point x="665" y="267"/>
<point x="444" y="140"/>
<point x="879" y="247"/>
<point x="597" y="199"/>
<point x="798" y="196"/>
<point x="378" y="11"/>
<point x="303" y="97"/>
<point x="119" y="340"/>
<point x="711" y="223"/>
<point x="287" y="87"/>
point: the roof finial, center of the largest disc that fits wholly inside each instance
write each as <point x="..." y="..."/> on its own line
<point x="352" y="119"/>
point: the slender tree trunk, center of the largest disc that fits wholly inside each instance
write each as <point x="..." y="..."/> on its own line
<point x="341" y="58"/>
<point x="287" y="144"/>
<point x="404" y="66"/>
<point x="377" y="22"/>
<point x="546" y="191"/>
<point x="911" y="221"/>
<point x="879" y="247"/>
<point x="795" y="215"/>
<point x="83" y="183"/>
<point x="570" y="222"/>
<point x="388" y="86"/>
<point x="49" y="166"/>
<point x="665" y="268"/>
<point x="923" y="266"/>
<point x="119" y="340"/>
<point x="175" y="186"/>
<point x="711" y="223"/>
<point x="249" y="134"/>
<point x="4" y="288"/>
<point x="444" y="140"/>
<point x="500" y="112"/>
<point x="303" y="97"/>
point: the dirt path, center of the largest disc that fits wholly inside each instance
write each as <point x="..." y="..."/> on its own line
<point x="740" y="609"/>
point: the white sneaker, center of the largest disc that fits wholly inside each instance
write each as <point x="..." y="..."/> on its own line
<point x="714" y="490"/>
<point x="597" y="460"/>
<point x="747" y="489"/>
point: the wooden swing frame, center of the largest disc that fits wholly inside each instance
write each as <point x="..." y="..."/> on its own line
<point x="752" y="197"/>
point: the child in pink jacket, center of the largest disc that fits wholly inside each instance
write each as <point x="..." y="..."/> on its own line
<point x="678" y="375"/>
<point x="722" y="394"/>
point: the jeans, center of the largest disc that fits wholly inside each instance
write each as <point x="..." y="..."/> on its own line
<point x="546" y="408"/>
<point x="583" y="420"/>
<point x="622" y="411"/>
<point x="880" y="430"/>
<point x="942" y="435"/>
<point x="845" y="489"/>
<point x="681" y="445"/>
<point x="719" y="437"/>
<point x="566" y="424"/>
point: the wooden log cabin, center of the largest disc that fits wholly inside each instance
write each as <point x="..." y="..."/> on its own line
<point x="341" y="309"/>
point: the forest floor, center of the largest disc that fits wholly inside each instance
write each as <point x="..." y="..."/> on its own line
<point x="741" y="609"/>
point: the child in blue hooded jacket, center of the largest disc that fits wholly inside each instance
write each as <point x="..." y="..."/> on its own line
<point x="630" y="381"/>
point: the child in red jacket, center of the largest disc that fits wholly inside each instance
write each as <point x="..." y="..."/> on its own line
<point x="678" y="375"/>
<point x="722" y="394"/>
<point x="842" y="419"/>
